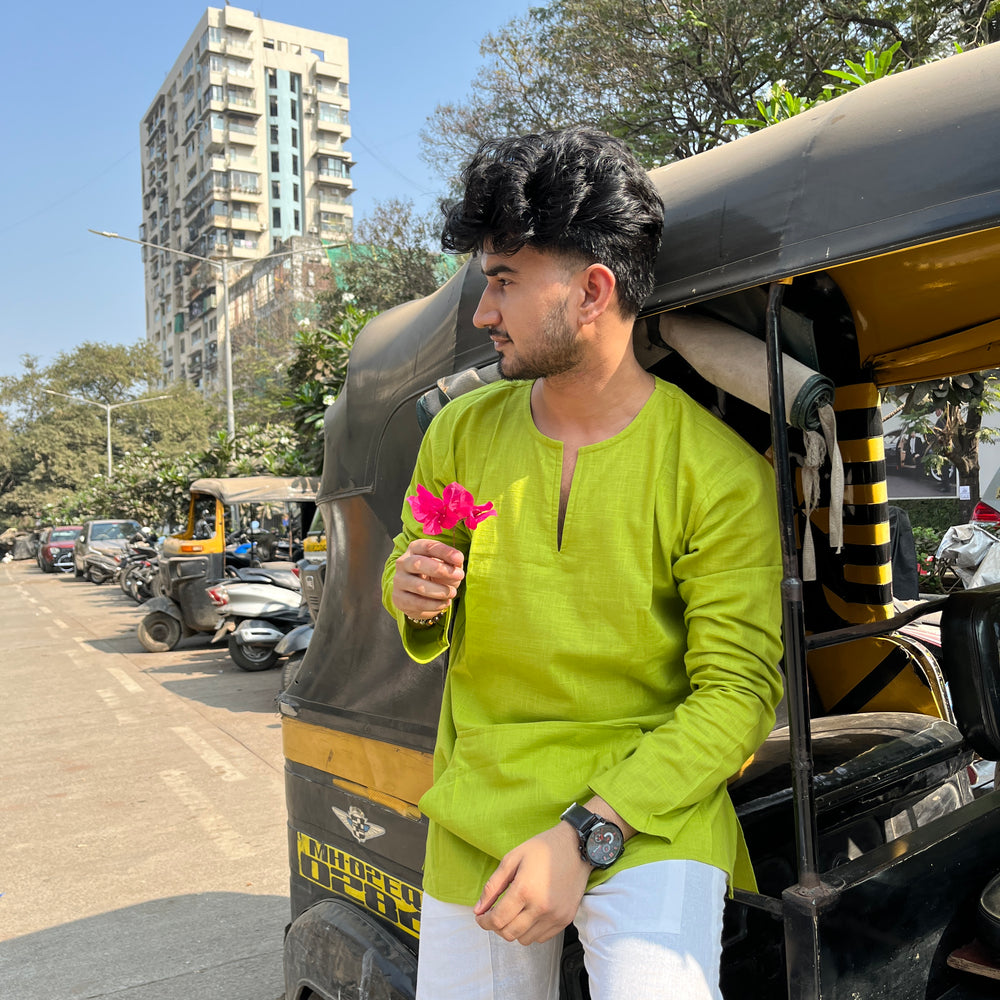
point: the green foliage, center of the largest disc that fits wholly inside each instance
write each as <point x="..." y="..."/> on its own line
<point x="316" y="377"/>
<point x="671" y="78"/>
<point x="54" y="446"/>
<point x="394" y="258"/>
<point x="780" y="104"/>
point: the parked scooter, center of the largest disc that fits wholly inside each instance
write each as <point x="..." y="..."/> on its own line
<point x="258" y="609"/>
<point x="139" y="566"/>
<point x="189" y="563"/>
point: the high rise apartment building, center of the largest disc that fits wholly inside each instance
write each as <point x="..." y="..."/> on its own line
<point x="242" y="147"/>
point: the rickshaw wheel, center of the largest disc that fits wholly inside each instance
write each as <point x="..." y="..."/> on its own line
<point x="291" y="669"/>
<point x="159" y="632"/>
<point x="252" y="657"/>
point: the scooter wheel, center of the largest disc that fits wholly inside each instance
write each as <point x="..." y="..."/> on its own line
<point x="159" y="632"/>
<point x="252" y="657"/>
<point x="96" y="576"/>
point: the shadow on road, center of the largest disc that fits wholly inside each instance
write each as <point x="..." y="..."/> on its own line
<point x="178" y="948"/>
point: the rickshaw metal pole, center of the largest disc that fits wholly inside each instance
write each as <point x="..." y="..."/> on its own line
<point x="793" y="621"/>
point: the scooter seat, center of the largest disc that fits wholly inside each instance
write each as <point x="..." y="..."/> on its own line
<point x="278" y="577"/>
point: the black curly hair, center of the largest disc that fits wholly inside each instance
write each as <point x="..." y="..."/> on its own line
<point x="577" y="191"/>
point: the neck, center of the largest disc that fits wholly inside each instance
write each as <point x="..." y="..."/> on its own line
<point x="593" y="402"/>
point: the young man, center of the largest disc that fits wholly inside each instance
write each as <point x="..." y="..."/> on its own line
<point x="613" y="630"/>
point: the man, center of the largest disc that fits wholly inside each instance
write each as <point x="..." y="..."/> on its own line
<point x="613" y="630"/>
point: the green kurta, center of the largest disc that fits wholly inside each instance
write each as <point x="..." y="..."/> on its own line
<point x="636" y="660"/>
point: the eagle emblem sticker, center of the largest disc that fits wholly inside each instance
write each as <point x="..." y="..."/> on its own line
<point x="357" y="823"/>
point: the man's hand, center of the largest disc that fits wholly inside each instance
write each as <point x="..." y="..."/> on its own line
<point x="542" y="882"/>
<point x="426" y="578"/>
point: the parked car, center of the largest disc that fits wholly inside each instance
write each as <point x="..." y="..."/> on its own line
<point x="55" y="548"/>
<point x="97" y="543"/>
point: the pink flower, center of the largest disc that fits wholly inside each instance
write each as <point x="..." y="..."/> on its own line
<point x="455" y="504"/>
<point x="479" y="513"/>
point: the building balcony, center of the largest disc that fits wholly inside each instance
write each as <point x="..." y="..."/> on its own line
<point x="215" y="140"/>
<point x="249" y="107"/>
<point x="244" y="249"/>
<point x="338" y="180"/>
<point x="325" y="125"/>
<point x="333" y="71"/>
<point x="246" y="222"/>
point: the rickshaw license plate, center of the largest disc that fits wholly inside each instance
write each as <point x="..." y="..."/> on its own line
<point x="339" y="872"/>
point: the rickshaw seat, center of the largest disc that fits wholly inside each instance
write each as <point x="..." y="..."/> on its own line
<point x="869" y="769"/>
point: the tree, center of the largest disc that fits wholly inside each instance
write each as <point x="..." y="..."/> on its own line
<point x="316" y="377"/>
<point x="669" y="77"/>
<point x="394" y="257"/>
<point x="56" y="446"/>
<point x="948" y="414"/>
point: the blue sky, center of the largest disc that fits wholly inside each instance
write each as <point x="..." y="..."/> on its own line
<point x="81" y="79"/>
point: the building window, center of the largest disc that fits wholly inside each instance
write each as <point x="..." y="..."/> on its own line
<point x="295" y="163"/>
<point x="275" y="189"/>
<point x="276" y="218"/>
<point x="272" y="78"/>
<point x="295" y="137"/>
<point x="295" y="192"/>
<point x="273" y="106"/>
<point x="296" y="224"/>
<point x="275" y="165"/>
<point x="274" y="134"/>
<point x="294" y="108"/>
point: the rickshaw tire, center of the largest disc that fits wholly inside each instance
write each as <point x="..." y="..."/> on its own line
<point x="159" y="632"/>
<point x="255" y="661"/>
<point x="290" y="670"/>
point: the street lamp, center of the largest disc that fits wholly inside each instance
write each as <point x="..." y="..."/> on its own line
<point x="221" y="263"/>
<point x="108" y="407"/>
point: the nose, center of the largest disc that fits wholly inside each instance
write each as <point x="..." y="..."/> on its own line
<point x="486" y="314"/>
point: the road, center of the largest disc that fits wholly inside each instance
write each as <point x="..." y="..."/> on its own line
<point x="144" y="852"/>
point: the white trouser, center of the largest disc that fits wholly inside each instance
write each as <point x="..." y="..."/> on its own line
<point x="653" y="932"/>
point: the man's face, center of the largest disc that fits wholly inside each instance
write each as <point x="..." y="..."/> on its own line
<point x="525" y="309"/>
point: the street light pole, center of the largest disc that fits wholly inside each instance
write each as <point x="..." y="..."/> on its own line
<point x="227" y="344"/>
<point x="221" y="263"/>
<point x="108" y="407"/>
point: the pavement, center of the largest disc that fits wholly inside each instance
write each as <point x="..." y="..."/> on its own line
<point x="144" y="849"/>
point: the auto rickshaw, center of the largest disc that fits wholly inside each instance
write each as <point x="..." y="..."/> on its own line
<point x="859" y="242"/>
<point x="196" y="556"/>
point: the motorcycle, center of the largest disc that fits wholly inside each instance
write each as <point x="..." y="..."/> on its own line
<point x="257" y="609"/>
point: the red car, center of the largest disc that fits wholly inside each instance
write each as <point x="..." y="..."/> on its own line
<point x="55" y="548"/>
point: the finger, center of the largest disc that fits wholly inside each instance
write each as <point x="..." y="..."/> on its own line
<point x="438" y="550"/>
<point x="495" y="886"/>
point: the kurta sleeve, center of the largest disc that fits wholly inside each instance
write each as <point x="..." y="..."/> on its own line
<point x="435" y="469"/>
<point x="728" y="570"/>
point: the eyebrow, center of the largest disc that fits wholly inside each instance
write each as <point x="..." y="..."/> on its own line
<point x="492" y="272"/>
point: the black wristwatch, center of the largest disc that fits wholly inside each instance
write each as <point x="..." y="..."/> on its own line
<point x="601" y="841"/>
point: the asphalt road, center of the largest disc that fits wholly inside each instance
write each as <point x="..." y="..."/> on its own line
<point x="143" y="853"/>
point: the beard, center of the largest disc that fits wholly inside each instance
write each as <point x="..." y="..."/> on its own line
<point x="557" y="352"/>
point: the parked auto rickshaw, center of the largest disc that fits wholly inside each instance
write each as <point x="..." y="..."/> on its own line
<point x="861" y="241"/>
<point x="196" y="556"/>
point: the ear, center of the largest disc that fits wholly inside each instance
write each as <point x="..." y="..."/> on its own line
<point x="597" y="292"/>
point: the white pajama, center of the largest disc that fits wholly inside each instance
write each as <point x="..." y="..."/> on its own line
<point x="653" y="932"/>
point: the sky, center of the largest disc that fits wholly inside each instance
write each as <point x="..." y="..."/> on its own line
<point x="82" y="76"/>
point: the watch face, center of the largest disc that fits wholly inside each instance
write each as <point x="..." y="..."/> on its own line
<point x="604" y="845"/>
